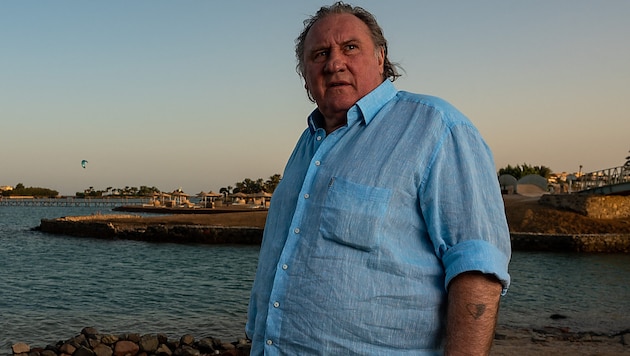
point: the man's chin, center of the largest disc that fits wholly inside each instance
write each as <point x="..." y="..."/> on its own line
<point x="341" y="102"/>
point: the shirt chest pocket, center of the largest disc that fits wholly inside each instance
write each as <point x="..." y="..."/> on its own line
<point x="353" y="214"/>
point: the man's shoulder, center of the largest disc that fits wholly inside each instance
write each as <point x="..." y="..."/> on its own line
<point x="425" y="100"/>
<point x="433" y="104"/>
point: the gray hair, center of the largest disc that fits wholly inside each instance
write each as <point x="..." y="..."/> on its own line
<point x="376" y="32"/>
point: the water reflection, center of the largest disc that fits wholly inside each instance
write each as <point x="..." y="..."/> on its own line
<point x="591" y="290"/>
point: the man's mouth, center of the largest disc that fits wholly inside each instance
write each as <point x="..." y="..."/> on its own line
<point x="337" y="84"/>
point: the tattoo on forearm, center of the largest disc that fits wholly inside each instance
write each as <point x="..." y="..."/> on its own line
<point x="476" y="310"/>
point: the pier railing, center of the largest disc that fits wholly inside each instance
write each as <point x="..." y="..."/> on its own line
<point x="69" y="202"/>
<point x="604" y="177"/>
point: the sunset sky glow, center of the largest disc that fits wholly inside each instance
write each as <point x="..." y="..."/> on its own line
<point x="202" y="94"/>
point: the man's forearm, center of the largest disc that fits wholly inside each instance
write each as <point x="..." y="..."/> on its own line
<point x="473" y="306"/>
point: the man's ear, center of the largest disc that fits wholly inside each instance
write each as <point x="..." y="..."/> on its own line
<point x="308" y="93"/>
<point x="381" y="59"/>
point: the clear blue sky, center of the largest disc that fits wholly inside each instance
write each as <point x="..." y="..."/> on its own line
<point x="202" y="94"/>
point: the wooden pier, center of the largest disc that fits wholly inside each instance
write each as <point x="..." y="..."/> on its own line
<point x="70" y="202"/>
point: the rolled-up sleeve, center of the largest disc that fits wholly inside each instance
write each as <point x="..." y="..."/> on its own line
<point x="476" y="255"/>
<point x="463" y="207"/>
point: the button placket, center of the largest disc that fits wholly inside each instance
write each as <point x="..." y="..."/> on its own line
<point x="275" y="309"/>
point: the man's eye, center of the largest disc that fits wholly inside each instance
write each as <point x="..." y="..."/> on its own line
<point x="320" y="56"/>
<point x="351" y="47"/>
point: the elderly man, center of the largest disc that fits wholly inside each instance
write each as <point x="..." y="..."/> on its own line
<point x="387" y="234"/>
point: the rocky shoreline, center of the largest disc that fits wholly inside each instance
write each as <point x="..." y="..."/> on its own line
<point x="532" y="226"/>
<point x="175" y="229"/>
<point x="92" y="343"/>
<point x="507" y="341"/>
<point x="593" y="243"/>
<point x="131" y="228"/>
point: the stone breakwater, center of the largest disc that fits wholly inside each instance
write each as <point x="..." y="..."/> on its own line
<point x="609" y="243"/>
<point x="594" y="206"/>
<point x="123" y="227"/>
<point x="115" y="227"/>
<point x="92" y="343"/>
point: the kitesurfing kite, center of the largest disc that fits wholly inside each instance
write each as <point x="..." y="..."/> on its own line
<point x="84" y="163"/>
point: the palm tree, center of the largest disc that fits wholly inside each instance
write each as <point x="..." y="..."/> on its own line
<point x="271" y="183"/>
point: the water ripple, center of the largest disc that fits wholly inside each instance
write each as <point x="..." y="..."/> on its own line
<point x="53" y="286"/>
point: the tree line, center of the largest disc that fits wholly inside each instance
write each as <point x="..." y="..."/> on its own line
<point x="249" y="186"/>
<point x="21" y="190"/>
<point x="143" y="191"/>
<point x="520" y="171"/>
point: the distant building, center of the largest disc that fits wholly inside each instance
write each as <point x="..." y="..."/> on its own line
<point x="5" y="188"/>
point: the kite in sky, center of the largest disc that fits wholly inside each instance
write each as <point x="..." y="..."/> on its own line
<point x="84" y="163"/>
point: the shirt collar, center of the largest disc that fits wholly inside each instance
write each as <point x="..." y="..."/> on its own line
<point x="366" y="108"/>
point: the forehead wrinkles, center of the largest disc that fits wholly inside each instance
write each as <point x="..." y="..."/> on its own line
<point x="336" y="29"/>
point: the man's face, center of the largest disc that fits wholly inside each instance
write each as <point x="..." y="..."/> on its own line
<point x="341" y="63"/>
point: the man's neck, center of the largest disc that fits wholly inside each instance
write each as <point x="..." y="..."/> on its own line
<point x="332" y="125"/>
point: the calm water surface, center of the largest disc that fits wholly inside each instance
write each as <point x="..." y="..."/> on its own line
<point x="591" y="290"/>
<point x="53" y="286"/>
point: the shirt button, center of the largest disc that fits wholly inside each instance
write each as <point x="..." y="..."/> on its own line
<point x="306" y="196"/>
<point x="285" y="266"/>
<point x="269" y="342"/>
<point x="317" y="163"/>
<point x="319" y="138"/>
<point x="296" y="230"/>
<point x="276" y="304"/>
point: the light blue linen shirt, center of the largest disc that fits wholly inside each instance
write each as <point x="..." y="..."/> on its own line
<point x="370" y="224"/>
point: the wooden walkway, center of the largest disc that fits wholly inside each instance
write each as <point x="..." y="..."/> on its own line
<point x="69" y="202"/>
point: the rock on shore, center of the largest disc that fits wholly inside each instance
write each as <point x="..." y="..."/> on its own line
<point x="92" y="343"/>
<point x="507" y="342"/>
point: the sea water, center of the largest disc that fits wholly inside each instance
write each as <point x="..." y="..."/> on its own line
<point x="52" y="286"/>
<point x="584" y="291"/>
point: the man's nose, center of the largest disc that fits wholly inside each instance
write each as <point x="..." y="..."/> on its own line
<point x="336" y="62"/>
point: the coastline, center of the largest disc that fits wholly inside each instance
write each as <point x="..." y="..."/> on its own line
<point x="507" y="342"/>
<point x="533" y="227"/>
<point x="523" y="214"/>
<point x="558" y="342"/>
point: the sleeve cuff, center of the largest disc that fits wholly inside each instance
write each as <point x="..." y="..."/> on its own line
<point x="476" y="255"/>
